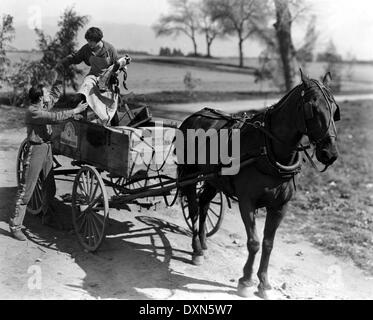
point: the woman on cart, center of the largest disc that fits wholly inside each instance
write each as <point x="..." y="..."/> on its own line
<point x="97" y="87"/>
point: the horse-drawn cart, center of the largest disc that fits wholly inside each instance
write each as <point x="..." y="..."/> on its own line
<point x="136" y="163"/>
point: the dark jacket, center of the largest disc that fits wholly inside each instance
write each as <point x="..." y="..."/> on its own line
<point x="85" y="53"/>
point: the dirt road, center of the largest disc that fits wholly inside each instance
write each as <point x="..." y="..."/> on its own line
<point x="147" y="255"/>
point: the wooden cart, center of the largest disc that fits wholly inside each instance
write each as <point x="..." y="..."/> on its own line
<point x="123" y="158"/>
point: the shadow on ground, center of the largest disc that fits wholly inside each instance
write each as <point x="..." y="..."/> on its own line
<point x="134" y="257"/>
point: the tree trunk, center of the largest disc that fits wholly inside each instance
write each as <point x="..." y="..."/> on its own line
<point x="240" y="48"/>
<point x="195" y="47"/>
<point x="208" y="42"/>
<point x="283" y="34"/>
<point x="64" y="87"/>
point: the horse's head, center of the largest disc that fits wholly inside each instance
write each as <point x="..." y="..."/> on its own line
<point x="320" y="113"/>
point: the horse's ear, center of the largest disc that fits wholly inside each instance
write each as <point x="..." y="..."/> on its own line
<point x="327" y="79"/>
<point x="305" y="79"/>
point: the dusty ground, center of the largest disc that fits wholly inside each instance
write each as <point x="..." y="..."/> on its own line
<point x="147" y="255"/>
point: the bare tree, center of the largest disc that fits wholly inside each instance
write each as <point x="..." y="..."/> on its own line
<point x="210" y="27"/>
<point x="283" y="33"/>
<point x="280" y="54"/>
<point x="240" y="17"/>
<point x="183" y="19"/>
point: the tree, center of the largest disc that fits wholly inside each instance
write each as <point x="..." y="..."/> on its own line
<point x="332" y="59"/>
<point x="305" y="52"/>
<point x="330" y="54"/>
<point x="63" y="44"/>
<point x="183" y="19"/>
<point x="6" y="36"/>
<point x="283" y="33"/>
<point x="24" y="74"/>
<point x="240" y="17"/>
<point x="210" y="27"/>
<point x="281" y="57"/>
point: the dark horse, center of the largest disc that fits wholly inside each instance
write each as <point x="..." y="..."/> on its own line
<point x="270" y="144"/>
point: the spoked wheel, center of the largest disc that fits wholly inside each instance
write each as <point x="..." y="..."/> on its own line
<point x="90" y="208"/>
<point x="35" y="204"/>
<point x="215" y="212"/>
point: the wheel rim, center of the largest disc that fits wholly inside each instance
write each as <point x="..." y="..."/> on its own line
<point x="215" y="212"/>
<point x="35" y="204"/>
<point x="90" y="208"/>
<point x="21" y="160"/>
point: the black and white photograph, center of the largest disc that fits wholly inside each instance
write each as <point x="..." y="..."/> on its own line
<point x="204" y="151"/>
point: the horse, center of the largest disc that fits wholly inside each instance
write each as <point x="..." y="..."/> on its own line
<point x="270" y="146"/>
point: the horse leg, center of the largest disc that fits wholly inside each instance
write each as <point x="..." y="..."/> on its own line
<point x="208" y="193"/>
<point x="273" y="220"/>
<point x="247" y="211"/>
<point x="190" y="192"/>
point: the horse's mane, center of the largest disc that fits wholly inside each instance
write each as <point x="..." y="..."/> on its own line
<point x="309" y="92"/>
<point x="284" y="98"/>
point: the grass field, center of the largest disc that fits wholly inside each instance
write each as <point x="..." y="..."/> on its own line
<point x="149" y="74"/>
<point x="335" y="209"/>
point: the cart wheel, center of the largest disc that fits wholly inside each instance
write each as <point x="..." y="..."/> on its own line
<point x="36" y="202"/>
<point x="90" y="208"/>
<point x="215" y="212"/>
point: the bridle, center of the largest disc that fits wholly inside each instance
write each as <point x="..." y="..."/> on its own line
<point x="309" y="115"/>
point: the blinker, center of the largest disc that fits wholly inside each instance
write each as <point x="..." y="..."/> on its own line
<point x="337" y="114"/>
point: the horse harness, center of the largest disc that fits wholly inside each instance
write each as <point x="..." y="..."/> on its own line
<point x="261" y="121"/>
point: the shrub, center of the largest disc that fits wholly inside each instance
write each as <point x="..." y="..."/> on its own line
<point x="168" y="53"/>
<point x="24" y="74"/>
<point x="190" y="82"/>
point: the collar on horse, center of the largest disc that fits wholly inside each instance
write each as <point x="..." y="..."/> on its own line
<point x="266" y="161"/>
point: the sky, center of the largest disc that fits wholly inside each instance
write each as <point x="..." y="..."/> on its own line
<point x="349" y="23"/>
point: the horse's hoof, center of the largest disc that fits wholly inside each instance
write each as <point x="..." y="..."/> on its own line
<point x="262" y="294"/>
<point x="263" y="291"/>
<point x="244" y="291"/>
<point x="264" y="286"/>
<point x="246" y="283"/>
<point x="197" y="260"/>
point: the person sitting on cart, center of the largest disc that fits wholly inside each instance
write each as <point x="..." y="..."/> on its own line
<point x="103" y="59"/>
<point x="38" y="158"/>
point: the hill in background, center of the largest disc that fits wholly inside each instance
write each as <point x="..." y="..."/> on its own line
<point x="136" y="37"/>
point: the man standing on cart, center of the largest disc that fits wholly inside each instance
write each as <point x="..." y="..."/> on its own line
<point x="103" y="59"/>
<point x="39" y="159"/>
